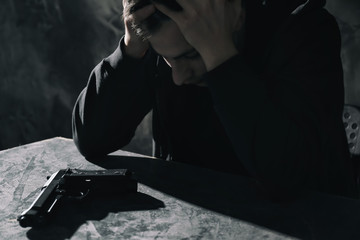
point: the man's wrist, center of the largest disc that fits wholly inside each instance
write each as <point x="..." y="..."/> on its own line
<point x="134" y="51"/>
<point x="216" y="58"/>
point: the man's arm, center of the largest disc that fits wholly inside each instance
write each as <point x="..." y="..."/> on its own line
<point x="118" y="95"/>
<point x="278" y="121"/>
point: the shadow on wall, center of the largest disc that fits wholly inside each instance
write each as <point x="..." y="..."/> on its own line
<point x="48" y="49"/>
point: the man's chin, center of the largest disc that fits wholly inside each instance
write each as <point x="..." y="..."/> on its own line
<point x="193" y="81"/>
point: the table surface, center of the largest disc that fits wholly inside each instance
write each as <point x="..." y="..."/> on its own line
<point x="174" y="201"/>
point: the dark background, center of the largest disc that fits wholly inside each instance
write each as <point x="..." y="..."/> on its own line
<point x="49" y="47"/>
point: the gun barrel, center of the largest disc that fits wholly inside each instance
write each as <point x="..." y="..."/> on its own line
<point x="36" y="214"/>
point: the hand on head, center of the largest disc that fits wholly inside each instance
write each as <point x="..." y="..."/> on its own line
<point x="208" y="26"/>
<point x="135" y="45"/>
<point x="205" y="27"/>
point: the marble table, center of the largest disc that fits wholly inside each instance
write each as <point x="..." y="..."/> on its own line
<point x="174" y="201"/>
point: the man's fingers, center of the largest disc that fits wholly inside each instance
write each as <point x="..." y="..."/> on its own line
<point x="142" y="13"/>
<point x="188" y="4"/>
<point x="138" y="5"/>
<point x="165" y="10"/>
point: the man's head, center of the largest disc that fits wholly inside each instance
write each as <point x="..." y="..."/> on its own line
<point x="167" y="40"/>
<point x="186" y="63"/>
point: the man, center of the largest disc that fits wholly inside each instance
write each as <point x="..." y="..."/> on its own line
<point x="252" y="88"/>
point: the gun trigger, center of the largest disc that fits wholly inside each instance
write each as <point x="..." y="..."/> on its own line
<point x="81" y="195"/>
<point x="85" y="194"/>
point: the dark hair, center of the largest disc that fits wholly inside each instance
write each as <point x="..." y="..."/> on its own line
<point x="153" y="23"/>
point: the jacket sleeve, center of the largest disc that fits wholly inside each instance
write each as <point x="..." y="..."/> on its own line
<point x="118" y="95"/>
<point x="276" y="118"/>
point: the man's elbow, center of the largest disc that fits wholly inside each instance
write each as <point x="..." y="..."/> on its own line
<point x="86" y="147"/>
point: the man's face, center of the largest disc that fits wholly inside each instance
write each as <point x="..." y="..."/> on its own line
<point x="186" y="63"/>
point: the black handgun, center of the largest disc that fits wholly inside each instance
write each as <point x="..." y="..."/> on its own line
<point x="77" y="184"/>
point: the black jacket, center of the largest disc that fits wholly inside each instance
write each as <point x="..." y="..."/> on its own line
<point x="272" y="112"/>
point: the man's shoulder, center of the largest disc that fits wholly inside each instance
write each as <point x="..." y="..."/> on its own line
<point x="315" y="22"/>
<point x="303" y="37"/>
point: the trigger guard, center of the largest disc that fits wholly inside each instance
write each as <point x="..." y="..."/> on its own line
<point x="80" y="195"/>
